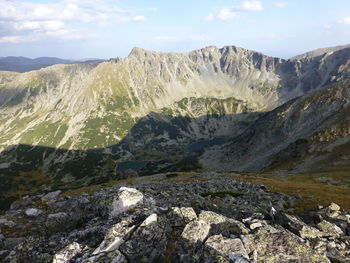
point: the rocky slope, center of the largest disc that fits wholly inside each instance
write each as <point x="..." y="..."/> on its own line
<point x="173" y="218"/>
<point x="307" y="133"/>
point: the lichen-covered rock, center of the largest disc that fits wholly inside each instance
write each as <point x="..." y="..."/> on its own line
<point x="222" y="225"/>
<point x="330" y="229"/>
<point x="299" y="227"/>
<point x="218" y="247"/>
<point x="280" y="246"/>
<point x="32" y="212"/>
<point x="68" y="253"/>
<point x="148" y="242"/>
<point x="115" y="237"/>
<point x="127" y="199"/>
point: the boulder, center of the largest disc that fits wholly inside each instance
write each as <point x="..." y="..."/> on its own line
<point x="69" y="252"/>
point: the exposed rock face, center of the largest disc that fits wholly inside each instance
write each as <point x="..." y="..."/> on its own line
<point x="179" y="226"/>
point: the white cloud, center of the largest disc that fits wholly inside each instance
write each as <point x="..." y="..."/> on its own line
<point x="281" y="4"/>
<point x="345" y="20"/>
<point x="228" y="13"/>
<point x="253" y="6"/>
<point x="139" y="18"/>
<point x="209" y="17"/>
<point x="11" y="39"/>
<point x="23" y="21"/>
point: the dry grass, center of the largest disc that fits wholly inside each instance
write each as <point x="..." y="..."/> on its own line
<point x="314" y="192"/>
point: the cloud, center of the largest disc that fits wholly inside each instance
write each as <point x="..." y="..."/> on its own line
<point x="139" y="19"/>
<point x="253" y="6"/>
<point x="281" y="4"/>
<point x="344" y="20"/>
<point x="23" y="21"/>
<point x="229" y="13"/>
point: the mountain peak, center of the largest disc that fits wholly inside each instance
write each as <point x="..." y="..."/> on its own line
<point x="137" y="51"/>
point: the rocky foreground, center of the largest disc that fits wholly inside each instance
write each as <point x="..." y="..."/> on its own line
<point x="172" y="218"/>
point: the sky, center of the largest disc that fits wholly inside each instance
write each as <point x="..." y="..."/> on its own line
<point x="111" y="28"/>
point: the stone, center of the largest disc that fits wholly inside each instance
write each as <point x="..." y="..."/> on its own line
<point x="148" y="242"/>
<point x="127" y="199"/>
<point x="188" y="214"/>
<point x="223" y="225"/>
<point x="334" y="207"/>
<point x="195" y="232"/>
<point x="66" y="254"/>
<point x="115" y="237"/>
<point x="219" y="246"/>
<point x="51" y="195"/>
<point x="33" y="212"/>
<point x="281" y="246"/>
<point x="330" y="229"/>
<point x="298" y="227"/>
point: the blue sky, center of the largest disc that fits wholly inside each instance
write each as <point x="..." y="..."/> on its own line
<point x="110" y="28"/>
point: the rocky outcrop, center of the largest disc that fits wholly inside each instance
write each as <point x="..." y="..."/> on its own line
<point x="175" y="219"/>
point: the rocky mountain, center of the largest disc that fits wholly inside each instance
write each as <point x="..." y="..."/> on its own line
<point x="171" y="217"/>
<point x="66" y="126"/>
<point x="307" y="133"/>
<point x="23" y="64"/>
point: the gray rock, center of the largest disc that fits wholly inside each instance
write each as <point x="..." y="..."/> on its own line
<point x="330" y="229"/>
<point x="51" y="195"/>
<point x="127" y="199"/>
<point x="33" y="212"/>
<point x="299" y="227"/>
<point x="69" y="252"/>
<point x="220" y="247"/>
<point x="281" y="246"/>
<point x="115" y="237"/>
<point x="222" y="225"/>
<point x="148" y="242"/>
<point x="195" y="232"/>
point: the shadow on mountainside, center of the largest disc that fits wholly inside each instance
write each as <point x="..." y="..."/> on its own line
<point x="156" y="143"/>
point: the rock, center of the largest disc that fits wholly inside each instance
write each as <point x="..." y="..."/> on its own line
<point x="223" y="225"/>
<point x="330" y="229"/>
<point x="127" y="199"/>
<point x="218" y="246"/>
<point x="69" y="252"/>
<point x="33" y="212"/>
<point x="188" y="214"/>
<point x="195" y="232"/>
<point x="59" y="222"/>
<point x="51" y="195"/>
<point x="334" y="207"/>
<point x="12" y="242"/>
<point x="181" y="216"/>
<point x="148" y="242"/>
<point x="298" y="227"/>
<point x="281" y="246"/>
<point x="115" y="237"/>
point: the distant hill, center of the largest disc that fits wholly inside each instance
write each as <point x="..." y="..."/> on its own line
<point x="23" y="64"/>
<point x="320" y="52"/>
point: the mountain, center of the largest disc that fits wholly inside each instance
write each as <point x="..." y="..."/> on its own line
<point x="66" y="126"/>
<point x="23" y="64"/>
<point x="308" y="133"/>
<point x="319" y="52"/>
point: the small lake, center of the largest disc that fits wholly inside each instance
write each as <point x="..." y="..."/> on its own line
<point x="202" y="144"/>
